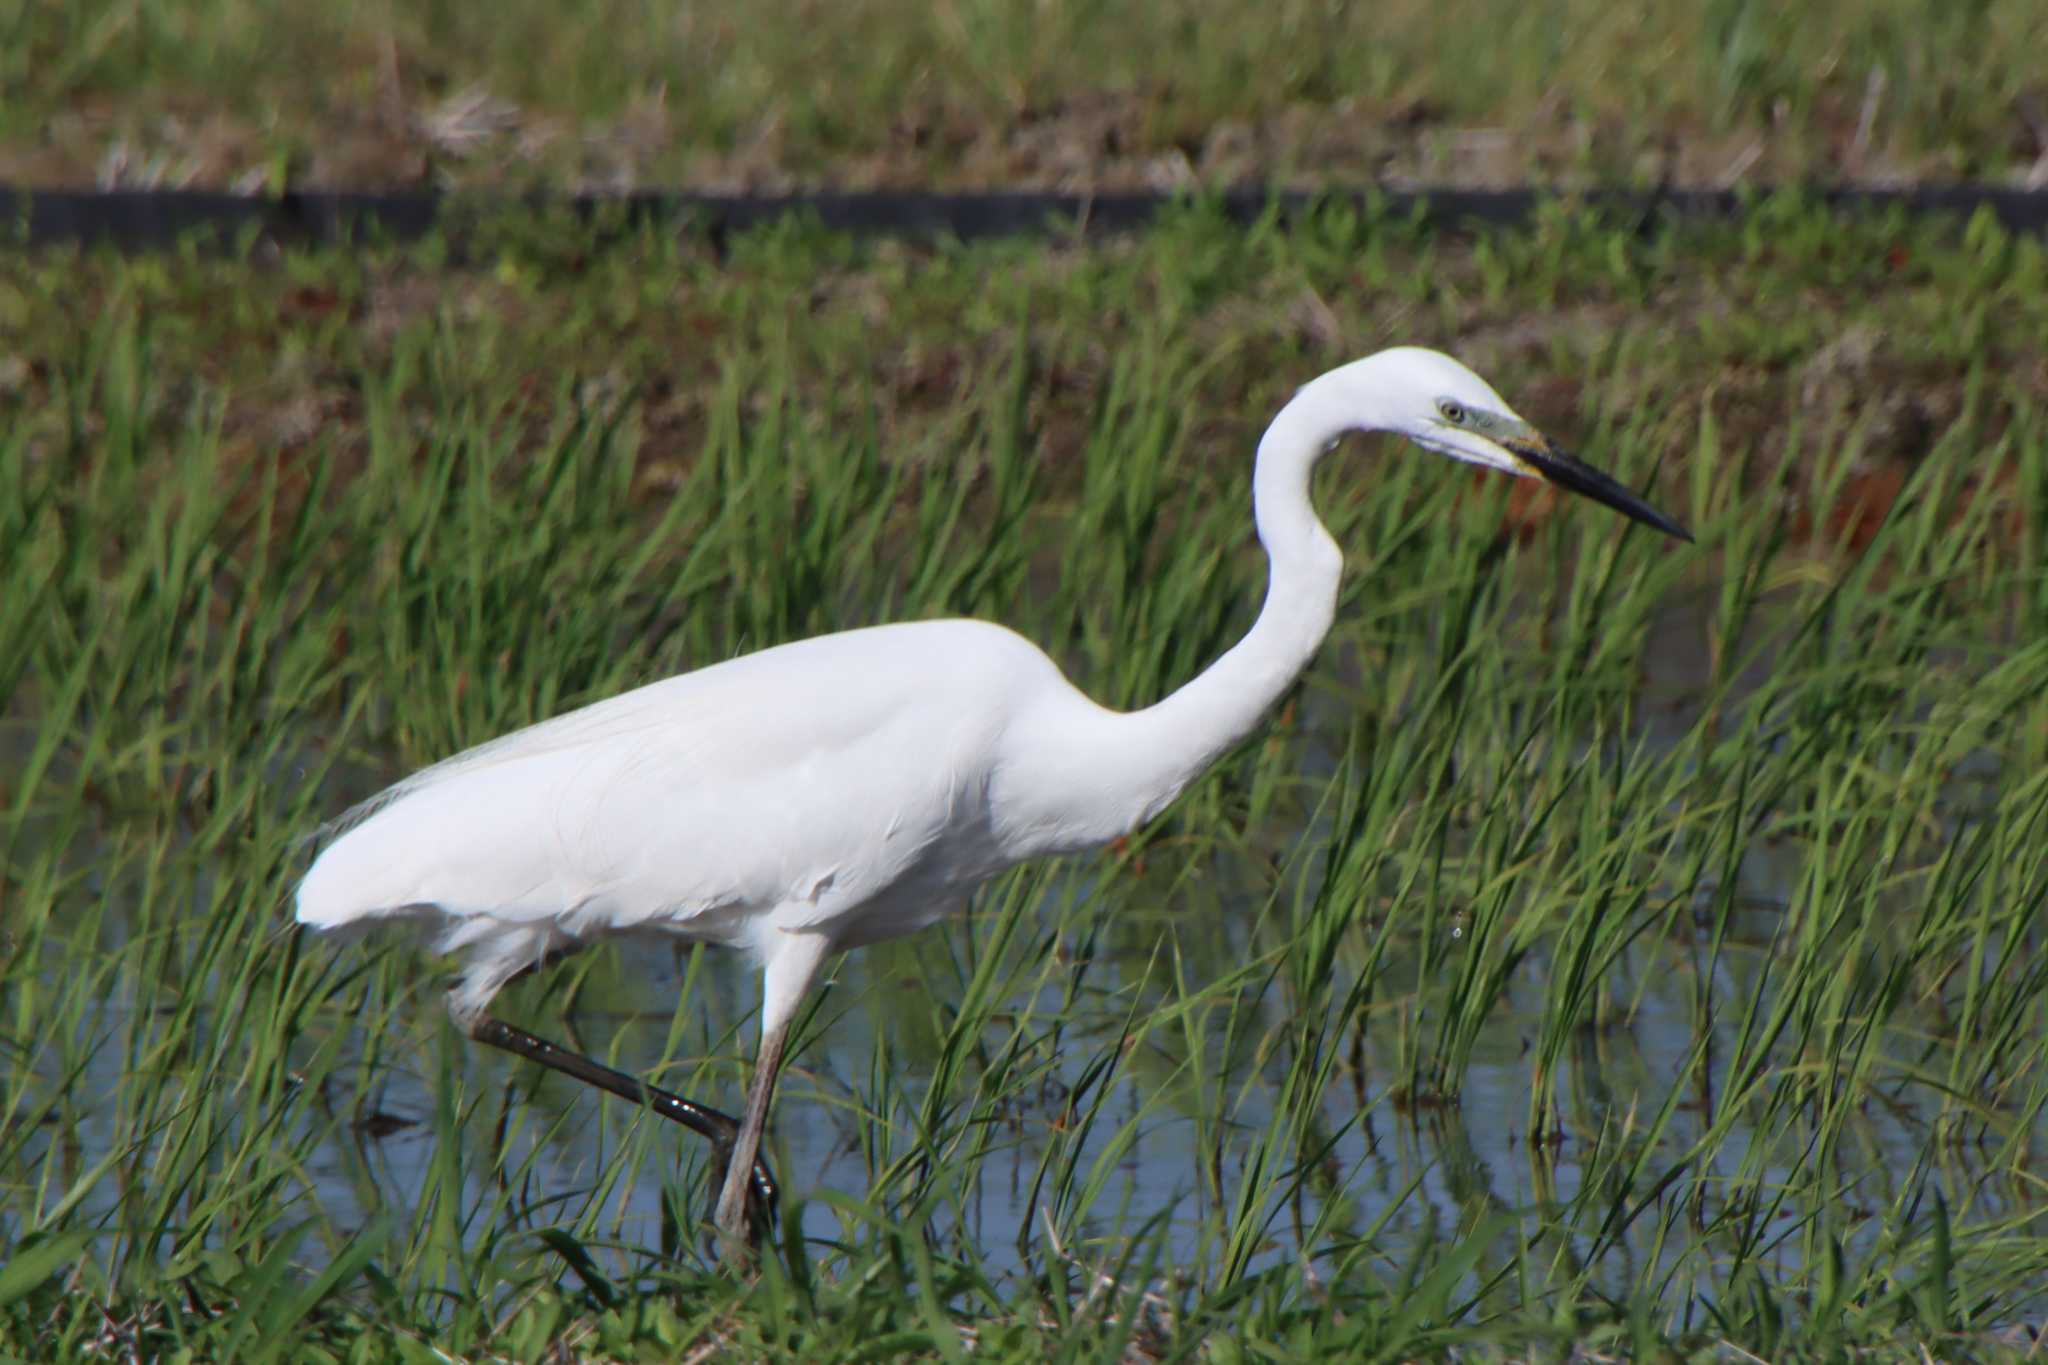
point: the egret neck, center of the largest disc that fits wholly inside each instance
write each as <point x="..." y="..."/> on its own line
<point x="1143" y="759"/>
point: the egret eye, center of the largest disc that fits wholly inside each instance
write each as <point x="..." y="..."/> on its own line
<point x="1453" y="412"/>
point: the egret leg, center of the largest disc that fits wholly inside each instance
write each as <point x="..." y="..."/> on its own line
<point x="735" y="1240"/>
<point x="752" y="1178"/>
<point x="792" y="960"/>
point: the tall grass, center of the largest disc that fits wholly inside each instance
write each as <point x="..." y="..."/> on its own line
<point x="1607" y="944"/>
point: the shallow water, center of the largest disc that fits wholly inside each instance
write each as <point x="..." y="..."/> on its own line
<point x="1411" y="1172"/>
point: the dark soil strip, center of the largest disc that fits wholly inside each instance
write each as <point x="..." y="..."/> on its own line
<point x="147" y="220"/>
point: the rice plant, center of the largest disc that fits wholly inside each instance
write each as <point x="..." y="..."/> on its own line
<point x="1604" y="947"/>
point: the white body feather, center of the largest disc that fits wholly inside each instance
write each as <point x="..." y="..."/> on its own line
<point x="856" y="785"/>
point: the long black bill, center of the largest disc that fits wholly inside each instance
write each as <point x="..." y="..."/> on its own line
<point x="1566" y="470"/>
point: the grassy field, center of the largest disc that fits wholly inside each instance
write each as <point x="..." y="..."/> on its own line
<point x="612" y="94"/>
<point x="1612" y="950"/>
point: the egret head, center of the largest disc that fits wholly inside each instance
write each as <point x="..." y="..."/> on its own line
<point x="1446" y="408"/>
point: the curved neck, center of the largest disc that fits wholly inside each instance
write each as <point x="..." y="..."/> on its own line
<point x="1162" y="748"/>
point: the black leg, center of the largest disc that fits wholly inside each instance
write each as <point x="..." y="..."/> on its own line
<point x="718" y="1127"/>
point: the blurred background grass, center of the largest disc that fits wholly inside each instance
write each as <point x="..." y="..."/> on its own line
<point x="615" y="94"/>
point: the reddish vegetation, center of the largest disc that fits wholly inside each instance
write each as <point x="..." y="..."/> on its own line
<point x="1865" y="501"/>
<point x="1530" y="505"/>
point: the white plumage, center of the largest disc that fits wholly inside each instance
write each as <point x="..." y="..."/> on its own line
<point x="845" y="789"/>
<point x="716" y="805"/>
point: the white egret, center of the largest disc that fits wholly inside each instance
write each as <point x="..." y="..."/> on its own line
<point x="810" y="798"/>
